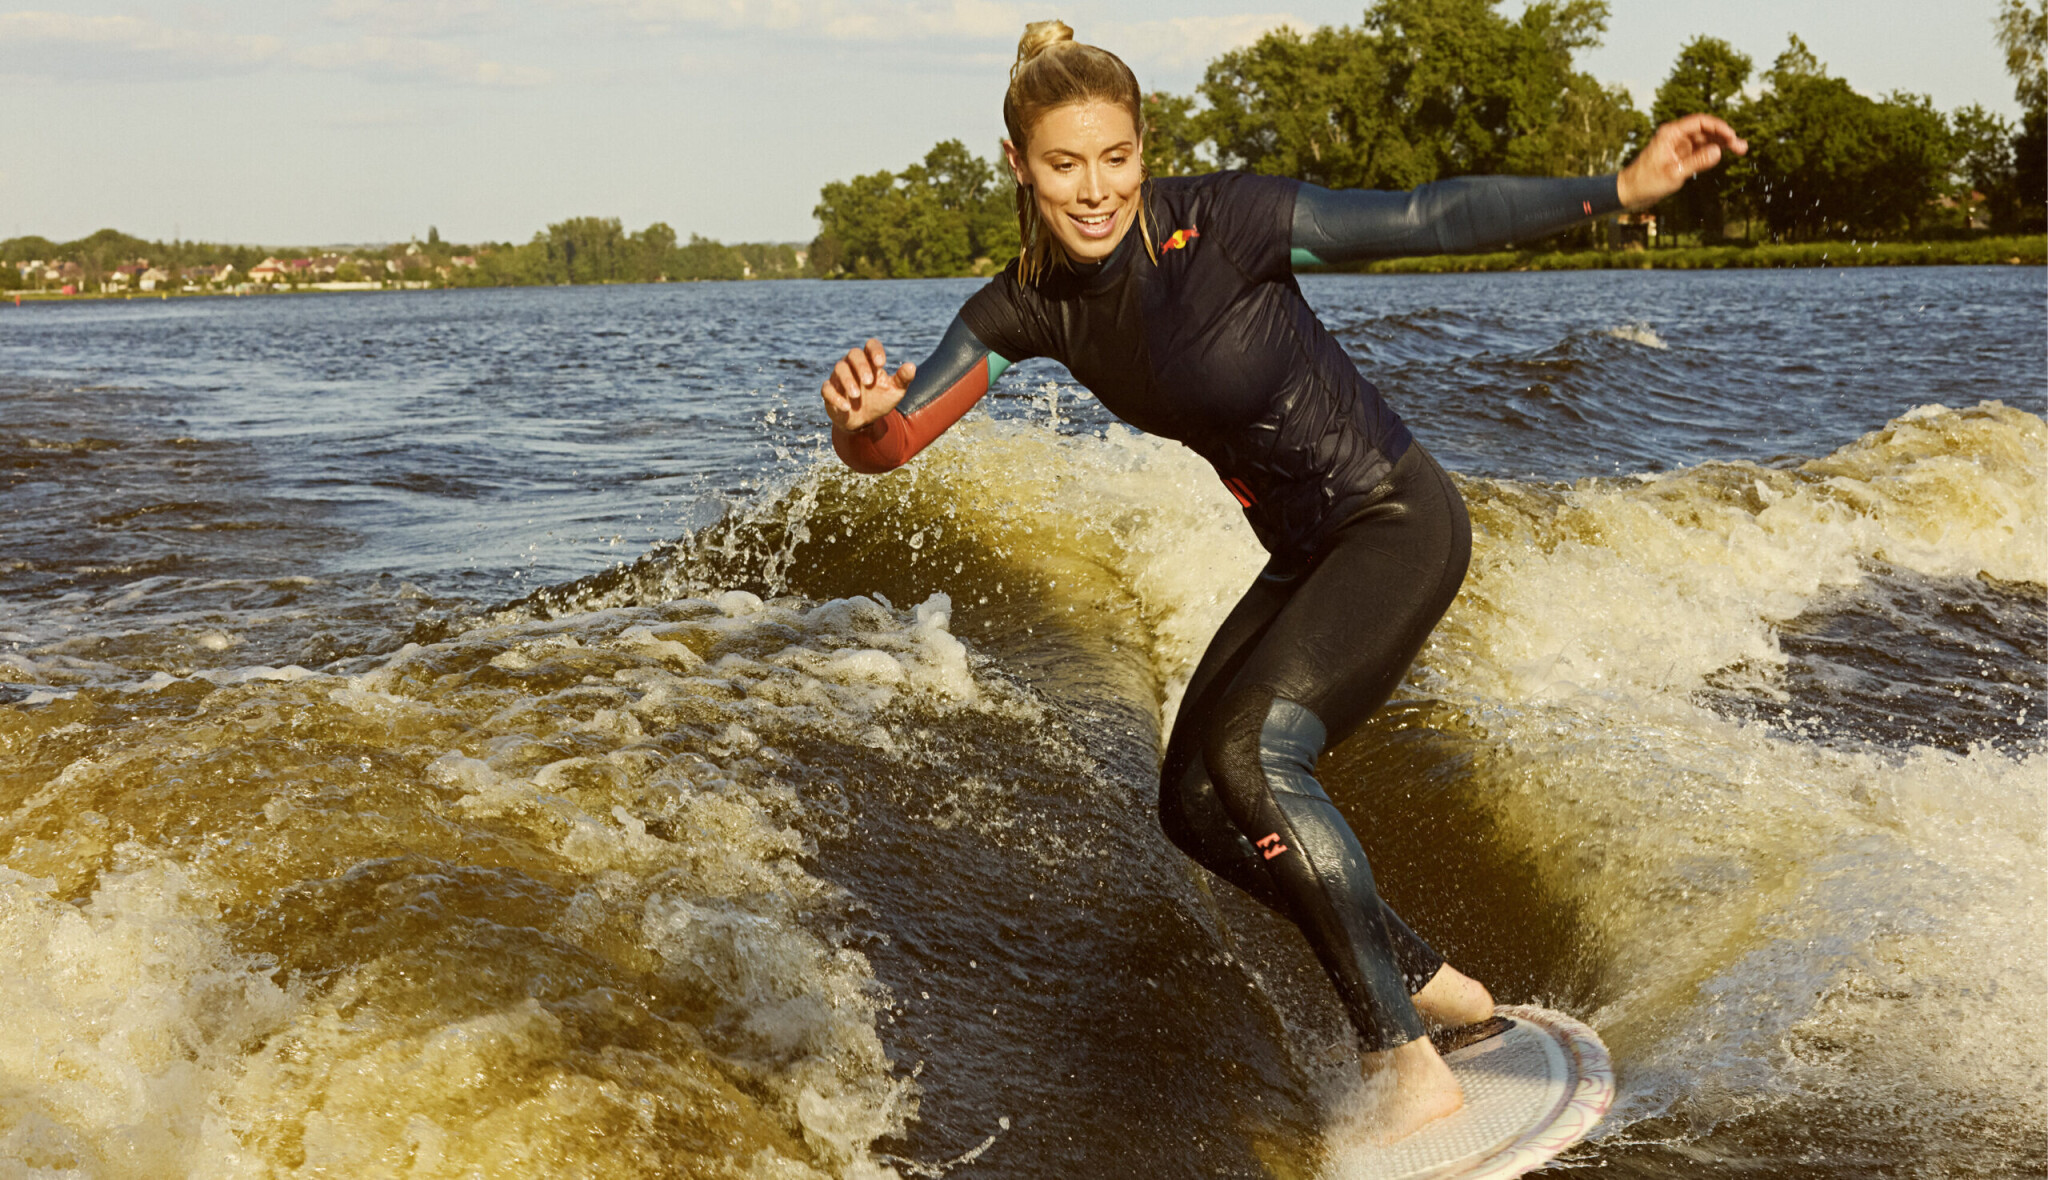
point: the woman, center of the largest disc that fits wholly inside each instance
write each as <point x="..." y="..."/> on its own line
<point x="1174" y="302"/>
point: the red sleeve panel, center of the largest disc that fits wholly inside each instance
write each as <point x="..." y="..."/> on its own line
<point x="947" y="385"/>
<point x="893" y="439"/>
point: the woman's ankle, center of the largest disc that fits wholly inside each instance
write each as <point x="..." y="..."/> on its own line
<point x="1451" y="998"/>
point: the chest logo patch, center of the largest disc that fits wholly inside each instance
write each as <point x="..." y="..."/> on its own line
<point x="1181" y="237"/>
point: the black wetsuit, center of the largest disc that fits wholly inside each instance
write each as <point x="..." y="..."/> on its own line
<point x="1212" y="344"/>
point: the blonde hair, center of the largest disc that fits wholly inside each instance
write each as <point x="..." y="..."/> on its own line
<point x="1054" y="70"/>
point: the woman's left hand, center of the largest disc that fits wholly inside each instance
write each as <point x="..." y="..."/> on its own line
<point x="1675" y="152"/>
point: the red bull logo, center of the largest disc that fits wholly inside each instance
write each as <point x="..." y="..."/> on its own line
<point x="1181" y="237"/>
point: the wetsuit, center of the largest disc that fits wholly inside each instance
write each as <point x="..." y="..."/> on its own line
<point x="1214" y="345"/>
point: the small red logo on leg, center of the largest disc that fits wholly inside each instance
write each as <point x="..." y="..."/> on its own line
<point x="1271" y="845"/>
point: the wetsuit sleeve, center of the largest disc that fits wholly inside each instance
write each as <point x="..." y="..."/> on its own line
<point x="1447" y="217"/>
<point x="947" y="385"/>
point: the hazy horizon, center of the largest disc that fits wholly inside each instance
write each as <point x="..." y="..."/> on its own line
<point x="332" y="122"/>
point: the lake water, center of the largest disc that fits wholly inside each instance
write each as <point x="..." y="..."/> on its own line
<point x="486" y="733"/>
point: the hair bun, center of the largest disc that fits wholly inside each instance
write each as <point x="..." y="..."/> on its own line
<point x="1039" y="36"/>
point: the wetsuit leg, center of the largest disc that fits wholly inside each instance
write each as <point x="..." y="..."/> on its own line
<point x="1193" y="815"/>
<point x="1300" y="665"/>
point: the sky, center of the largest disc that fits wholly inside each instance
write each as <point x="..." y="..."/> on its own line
<point x="303" y="122"/>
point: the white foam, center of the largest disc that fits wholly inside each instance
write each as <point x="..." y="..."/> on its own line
<point x="127" y="1019"/>
<point x="152" y="1048"/>
<point x="1638" y="333"/>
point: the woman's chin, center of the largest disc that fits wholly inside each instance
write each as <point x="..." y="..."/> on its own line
<point x="1083" y="247"/>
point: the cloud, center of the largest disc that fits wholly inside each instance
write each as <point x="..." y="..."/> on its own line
<point x="375" y="119"/>
<point x="66" y="45"/>
<point x="1172" y="41"/>
<point x="1188" y="40"/>
<point x="413" y="58"/>
<point x="64" y="42"/>
<point x="834" y="20"/>
<point x="416" y="17"/>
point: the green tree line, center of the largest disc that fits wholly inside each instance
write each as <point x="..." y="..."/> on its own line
<point x="1422" y="90"/>
<point x="578" y="250"/>
<point x="953" y="213"/>
<point x="599" y="250"/>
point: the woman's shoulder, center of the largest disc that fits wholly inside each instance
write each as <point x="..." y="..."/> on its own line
<point x="1004" y="314"/>
<point x="1224" y="183"/>
<point x="1244" y="209"/>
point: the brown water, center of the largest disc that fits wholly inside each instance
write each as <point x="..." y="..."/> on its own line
<point x="800" y="824"/>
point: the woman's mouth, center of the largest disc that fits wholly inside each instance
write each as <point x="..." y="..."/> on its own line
<point x="1093" y="225"/>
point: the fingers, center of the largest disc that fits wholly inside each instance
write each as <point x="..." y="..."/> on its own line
<point x="1702" y="129"/>
<point x="848" y="382"/>
<point x="1699" y="161"/>
<point x="855" y="376"/>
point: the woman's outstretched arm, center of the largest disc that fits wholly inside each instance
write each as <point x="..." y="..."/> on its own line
<point x="1485" y="212"/>
<point x="881" y="419"/>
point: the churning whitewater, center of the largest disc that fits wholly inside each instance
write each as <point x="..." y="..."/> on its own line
<point x="365" y="814"/>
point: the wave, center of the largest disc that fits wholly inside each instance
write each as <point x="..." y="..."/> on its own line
<point x="696" y="862"/>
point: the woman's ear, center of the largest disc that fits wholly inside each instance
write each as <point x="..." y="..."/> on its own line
<point x="1016" y="162"/>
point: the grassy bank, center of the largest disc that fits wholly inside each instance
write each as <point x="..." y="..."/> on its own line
<point x="2029" y="249"/>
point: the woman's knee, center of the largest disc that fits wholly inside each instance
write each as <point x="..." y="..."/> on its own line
<point x="1263" y="743"/>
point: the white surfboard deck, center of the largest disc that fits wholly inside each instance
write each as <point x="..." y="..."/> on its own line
<point x="1530" y="1092"/>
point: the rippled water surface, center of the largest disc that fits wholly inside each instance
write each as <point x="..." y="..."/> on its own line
<point x="486" y="733"/>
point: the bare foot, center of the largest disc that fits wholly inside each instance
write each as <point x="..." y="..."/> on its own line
<point x="1452" y="999"/>
<point x="1409" y="1088"/>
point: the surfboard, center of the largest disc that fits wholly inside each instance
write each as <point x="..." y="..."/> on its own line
<point x="1530" y="1092"/>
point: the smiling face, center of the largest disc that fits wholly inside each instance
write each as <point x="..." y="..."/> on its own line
<point x="1081" y="162"/>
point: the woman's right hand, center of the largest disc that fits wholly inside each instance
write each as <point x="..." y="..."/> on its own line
<point x="861" y="389"/>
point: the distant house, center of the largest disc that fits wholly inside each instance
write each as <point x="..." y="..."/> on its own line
<point x="125" y="274"/>
<point x="270" y="270"/>
<point x="1971" y="206"/>
<point x="154" y="277"/>
<point x="465" y="261"/>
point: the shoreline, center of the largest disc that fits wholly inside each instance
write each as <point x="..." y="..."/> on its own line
<point x="2004" y="250"/>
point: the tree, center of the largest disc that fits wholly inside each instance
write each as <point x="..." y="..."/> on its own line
<point x="650" y="254"/>
<point x="1984" y="163"/>
<point x="950" y="214"/>
<point x="1172" y="137"/>
<point x="588" y="250"/>
<point x="1421" y="89"/>
<point x="103" y="250"/>
<point x="1707" y="78"/>
<point x="704" y="258"/>
<point x="1829" y="160"/>
<point x="25" y="249"/>
<point x="1315" y="107"/>
<point x="2023" y="34"/>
